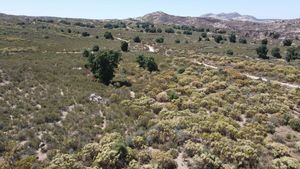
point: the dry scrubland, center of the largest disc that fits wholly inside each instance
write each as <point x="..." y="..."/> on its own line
<point x="190" y="114"/>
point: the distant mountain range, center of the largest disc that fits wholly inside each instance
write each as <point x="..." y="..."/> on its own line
<point x="237" y="17"/>
<point x="244" y="24"/>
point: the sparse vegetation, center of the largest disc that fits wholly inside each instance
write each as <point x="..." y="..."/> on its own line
<point x="170" y="102"/>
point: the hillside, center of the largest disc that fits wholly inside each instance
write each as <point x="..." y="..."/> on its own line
<point x="159" y="91"/>
<point x="233" y="21"/>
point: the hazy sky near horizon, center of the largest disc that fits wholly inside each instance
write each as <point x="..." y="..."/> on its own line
<point x="120" y="9"/>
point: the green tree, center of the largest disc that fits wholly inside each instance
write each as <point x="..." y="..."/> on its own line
<point x="229" y="52"/>
<point x="287" y="42"/>
<point x="159" y="40"/>
<point x="187" y="32"/>
<point x="159" y="30"/>
<point x="141" y="61"/>
<point x="232" y="38"/>
<point x="124" y="46"/>
<point x="108" y="26"/>
<point x="204" y="35"/>
<point x="137" y="39"/>
<point x="218" y="38"/>
<point x="262" y="52"/>
<point x="264" y="41"/>
<point x="103" y="64"/>
<point x="85" y="34"/>
<point x="275" y="35"/>
<point x="95" y="48"/>
<point x="292" y="53"/>
<point x="276" y="52"/>
<point x="151" y="64"/>
<point x="243" y="40"/>
<point x="85" y="53"/>
<point x="108" y="35"/>
<point x="169" y="30"/>
<point x="147" y="63"/>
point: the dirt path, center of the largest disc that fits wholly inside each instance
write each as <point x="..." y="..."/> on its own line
<point x="120" y="39"/>
<point x="104" y="120"/>
<point x="289" y="85"/>
<point x="151" y="48"/>
<point x="3" y="82"/>
<point x="68" y="52"/>
<point x="180" y="162"/>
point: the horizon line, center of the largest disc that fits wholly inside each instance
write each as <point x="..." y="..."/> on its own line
<point x="86" y="18"/>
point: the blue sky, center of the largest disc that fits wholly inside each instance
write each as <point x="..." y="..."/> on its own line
<point x="110" y="9"/>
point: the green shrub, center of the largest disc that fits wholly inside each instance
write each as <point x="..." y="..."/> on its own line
<point x="275" y="35"/>
<point x="137" y="39"/>
<point x="177" y="41"/>
<point x="232" y="38"/>
<point x="95" y="48"/>
<point x="264" y="42"/>
<point x="85" y="34"/>
<point x="276" y="52"/>
<point x="181" y="70"/>
<point x="108" y="26"/>
<point x="159" y="30"/>
<point x="169" y="30"/>
<point x="287" y="42"/>
<point x="85" y="53"/>
<point x="206" y="161"/>
<point x="229" y="52"/>
<point x="103" y="64"/>
<point x="292" y="53"/>
<point x="159" y="40"/>
<point x="164" y="160"/>
<point x="297" y="146"/>
<point x="262" y="52"/>
<point x="192" y="149"/>
<point x="172" y="95"/>
<point x="187" y="32"/>
<point x="147" y="63"/>
<point x="218" y="38"/>
<point x="204" y="35"/>
<point x="243" y="40"/>
<point x="286" y="163"/>
<point x="151" y="64"/>
<point x="295" y="124"/>
<point x="108" y="35"/>
<point x="279" y="150"/>
<point x="124" y="46"/>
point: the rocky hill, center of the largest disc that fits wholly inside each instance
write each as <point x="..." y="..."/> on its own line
<point x="233" y="21"/>
<point x="234" y="16"/>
